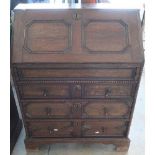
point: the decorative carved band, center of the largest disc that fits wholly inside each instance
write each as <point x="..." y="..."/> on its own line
<point x="77" y="81"/>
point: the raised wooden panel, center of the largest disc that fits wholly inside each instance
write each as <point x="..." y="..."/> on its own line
<point x="105" y="36"/>
<point x="106" y="109"/>
<point x="53" y="36"/>
<point x="52" y="109"/>
<point x="103" y="128"/>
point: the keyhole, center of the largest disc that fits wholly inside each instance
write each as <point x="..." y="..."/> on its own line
<point x="76" y="16"/>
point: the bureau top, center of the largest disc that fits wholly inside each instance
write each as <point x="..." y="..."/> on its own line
<point x="44" y="33"/>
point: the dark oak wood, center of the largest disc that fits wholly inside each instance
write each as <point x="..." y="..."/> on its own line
<point x="77" y="73"/>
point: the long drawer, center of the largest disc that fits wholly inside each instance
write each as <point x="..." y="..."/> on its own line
<point x="70" y="90"/>
<point x="42" y="109"/>
<point x="115" y="73"/>
<point x="77" y="128"/>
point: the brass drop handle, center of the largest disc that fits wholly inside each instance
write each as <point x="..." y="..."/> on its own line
<point x="52" y="130"/>
<point x="45" y="92"/>
<point x="97" y="132"/>
<point x="107" y="92"/>
<point x="105" y="111"/>
<point x="48" y="111"/>
<point x="55" y="129"/>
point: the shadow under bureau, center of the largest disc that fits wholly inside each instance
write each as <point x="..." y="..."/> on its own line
<point x="76" y="72"/>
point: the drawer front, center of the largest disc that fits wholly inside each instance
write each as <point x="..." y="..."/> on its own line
<point x="104" y="128"/>
<point x="106" y="109"/>
<point x="55" y="90"/>
<point x="51" y="128"/>
<point x="77" y="109"/>
<point x="81" y="73"/>
<point x="52" y="109"/>
<point x="68" y="90"/>
<point x="45" y="91"/>
<point x="108" y="90"/>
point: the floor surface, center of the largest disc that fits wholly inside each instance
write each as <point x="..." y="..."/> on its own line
<point x="136" y="136"/>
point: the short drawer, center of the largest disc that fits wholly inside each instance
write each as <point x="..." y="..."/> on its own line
<point x="104" y="128"/>
<point x="50" y="90"/>
<point x="106" y="108"/>
<point x="44" y="91"/>
<point x="78" y="73"/>
<point x="109" y="90"/>
<point x="51" y="128"/>
<point x="52" y="109"/>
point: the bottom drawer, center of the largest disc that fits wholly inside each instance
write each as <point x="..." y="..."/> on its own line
<point x="51" y="128"/>
<point x="103" y="128"/>
<point x="77" y="128"/>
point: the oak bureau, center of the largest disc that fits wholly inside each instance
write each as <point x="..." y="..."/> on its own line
<point x="76" y="72"/>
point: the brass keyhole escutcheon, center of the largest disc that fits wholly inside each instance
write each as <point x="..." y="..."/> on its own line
<point x="97" y="132"/>
<point x="108" y="92"/>
<point x="76" y="16"/>
<point x="105" y="111"/>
